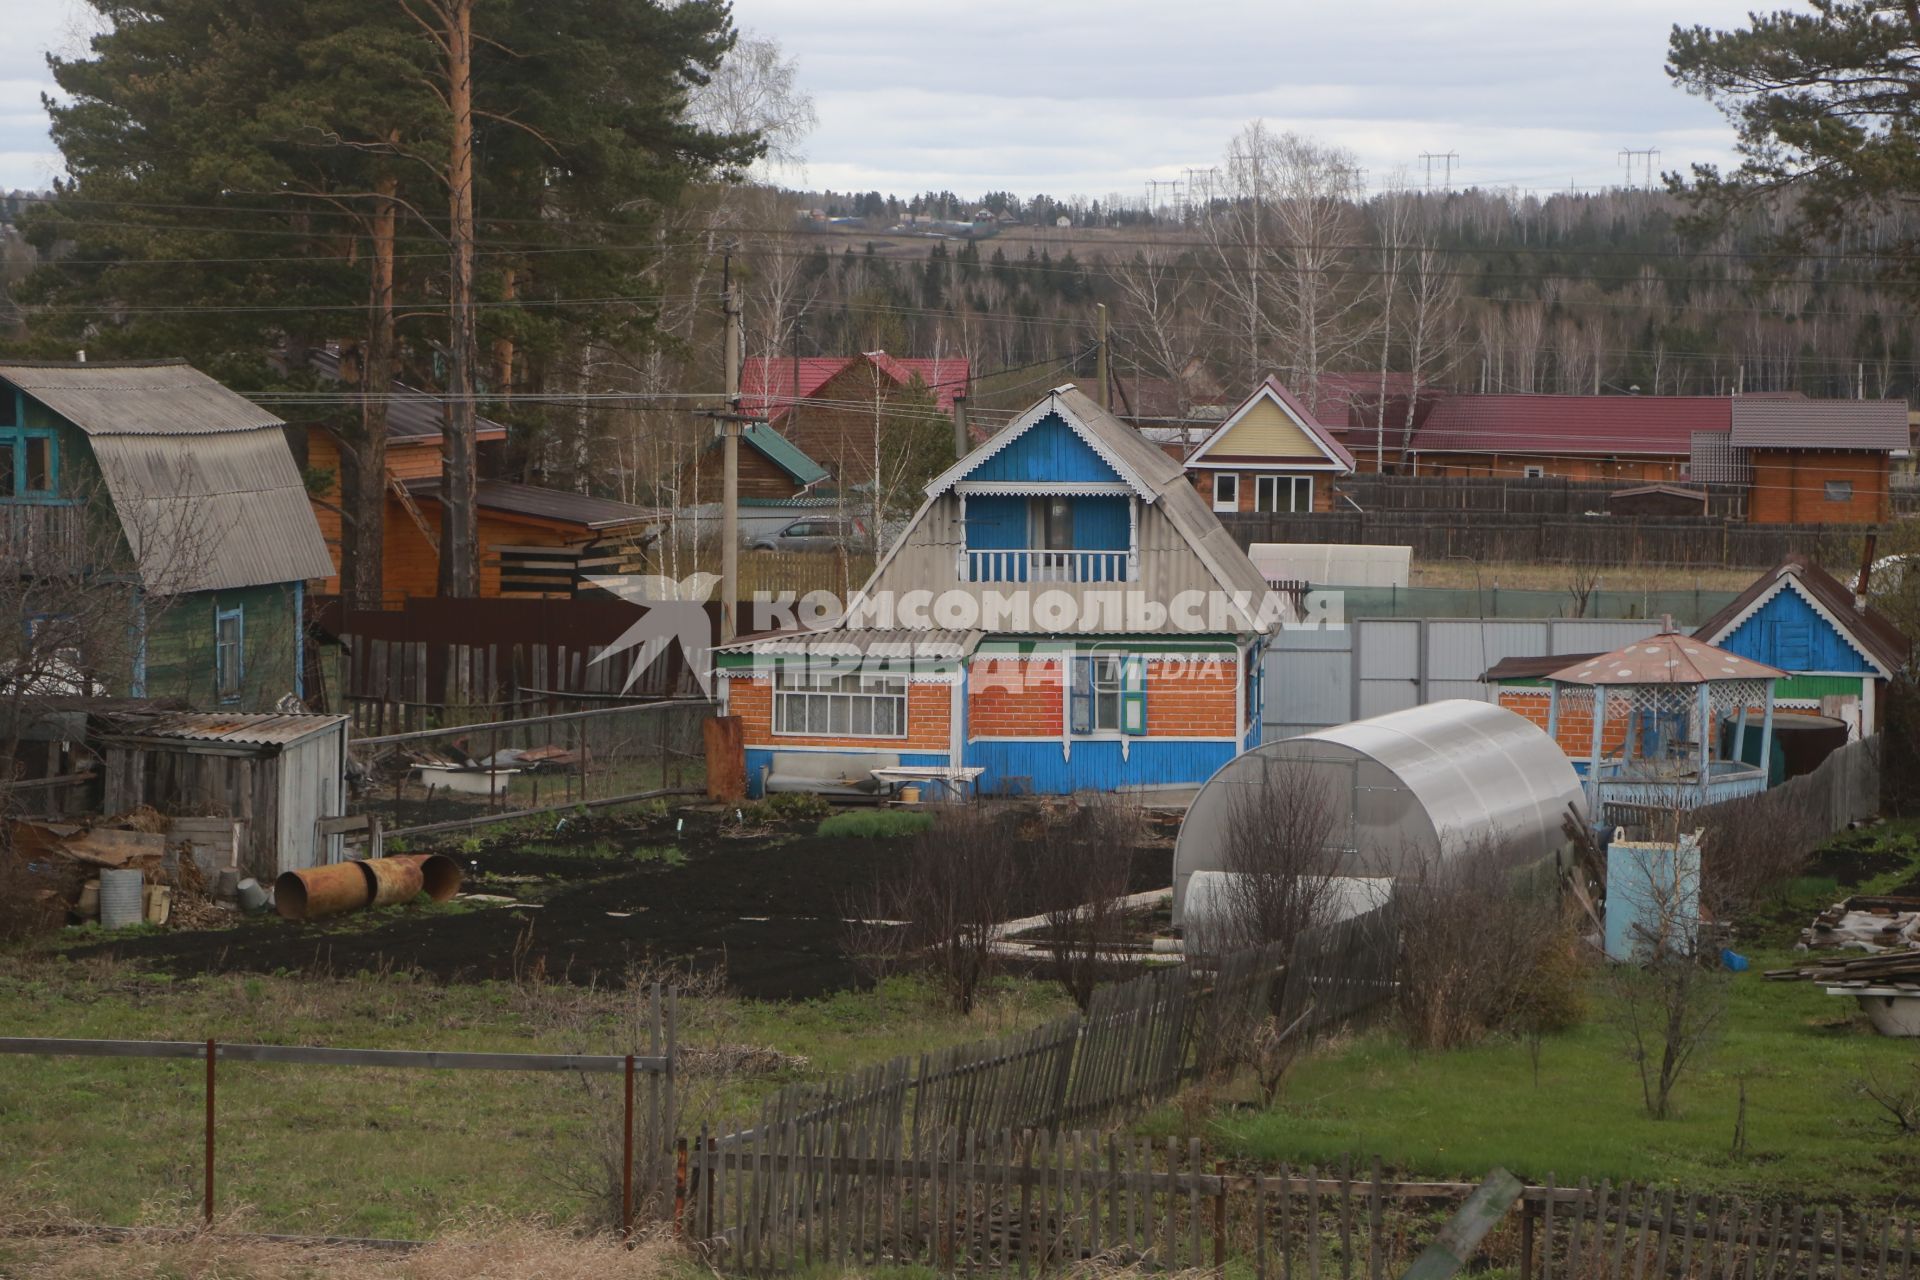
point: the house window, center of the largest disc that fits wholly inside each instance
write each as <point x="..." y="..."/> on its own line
<point x="1109" y="695"/>
<point x="1053" y="520"/>
<point x="1283" y="493"/>
<point x="1534" y="473"/>
<point x="1839" y="491"/>
<point x="840" y="705"/>
<point x="1226" y="491"/>
<point x="29" y="462"/>
<point x="229" y="652"/>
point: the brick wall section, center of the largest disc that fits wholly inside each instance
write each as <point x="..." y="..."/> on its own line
<point x="1790" y="487"/>
<point x="929" y="718"/>
<point x="1015" y="698"/>
<point x="1576" y="723"/>
<point x="1192" y="697"/>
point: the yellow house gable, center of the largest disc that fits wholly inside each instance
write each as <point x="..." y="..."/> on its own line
<point x="1264" y="430"/>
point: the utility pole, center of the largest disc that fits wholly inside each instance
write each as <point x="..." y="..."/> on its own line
<point x="1447" y="159"/>
<point x="962" y="445"/>
<point x="730" y="475"/>
<point x="1100" y="358"/>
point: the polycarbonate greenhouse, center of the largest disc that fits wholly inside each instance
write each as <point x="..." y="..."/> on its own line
<point x="1395" y="791"/>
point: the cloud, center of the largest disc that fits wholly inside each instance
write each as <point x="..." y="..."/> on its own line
<point x="1092" y="97"/>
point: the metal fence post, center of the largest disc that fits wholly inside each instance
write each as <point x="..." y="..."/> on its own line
<point x="626" y="1160"/>
<point x="207" y="1173"/>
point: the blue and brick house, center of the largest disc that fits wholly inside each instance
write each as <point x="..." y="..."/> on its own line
<point x="1837" y="652"/>
<point x="1063" y="613"/>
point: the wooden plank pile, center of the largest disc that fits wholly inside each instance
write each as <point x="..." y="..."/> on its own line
<point x="1899" y="969"/>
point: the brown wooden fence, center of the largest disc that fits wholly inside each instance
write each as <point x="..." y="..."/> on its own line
<point x="1602" y="541"/>
<point x="1545" y="496"/>
<point x="1135" y="1044"/>
<point x="1025" y="1202"/>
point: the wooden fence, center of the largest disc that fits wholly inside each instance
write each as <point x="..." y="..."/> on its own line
<point x="1135" y="1044"/>
<point x="1600" y="541"/>
<point x="1843" y="789"/>
<point x="1026" y="1202"/>
<point x="1545" y="496"/>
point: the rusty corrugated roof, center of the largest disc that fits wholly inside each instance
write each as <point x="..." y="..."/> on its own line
<point x="251" y="729"/>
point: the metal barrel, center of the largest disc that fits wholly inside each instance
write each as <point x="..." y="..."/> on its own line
<point x="122" y="900"/>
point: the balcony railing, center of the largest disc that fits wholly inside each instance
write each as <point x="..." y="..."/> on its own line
<point x="1032" y="565"/>
<point x="42" y="538"/>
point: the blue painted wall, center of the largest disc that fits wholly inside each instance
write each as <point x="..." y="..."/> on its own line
<point x="1100" y="524"/>
<point x="996" y="523"/>
<point x="1047" y="451"/>
<point x="1095" y="766"/>
<point x="759" y="759"/>
<point x="1788" y="634"/>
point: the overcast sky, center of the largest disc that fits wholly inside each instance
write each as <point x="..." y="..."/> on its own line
<point x="1092" y="97"/>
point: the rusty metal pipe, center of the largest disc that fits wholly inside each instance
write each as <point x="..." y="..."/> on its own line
<point x="439" y="874"/>
<point x="315" y="892"/>
<point x="394" y="880"/>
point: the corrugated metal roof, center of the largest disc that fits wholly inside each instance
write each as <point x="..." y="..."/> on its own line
<point x="784" y="454"/>
<point x="411" y="414"/>
<point x="156" y="397"/>
<point x="264" y="729"/>
<point x="1766" y="422"/>
<point x="1668" y="658"/>
<point x="212" y="510"/>
<point x="1604" y="425"/>
<point x="561" y="505"/>
<point x="770" y="385"/>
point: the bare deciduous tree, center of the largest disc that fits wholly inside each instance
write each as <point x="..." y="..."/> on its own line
<point x="1079" y="865"/>
<point x="1667" y="1003"/>
<point x="943" y="906"/>
<point x="1281" y="854"/>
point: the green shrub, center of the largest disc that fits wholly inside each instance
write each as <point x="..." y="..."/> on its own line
<point x="797" y="806"/>
<point x="876" y="824"/>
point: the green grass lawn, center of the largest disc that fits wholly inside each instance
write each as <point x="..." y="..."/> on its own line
<point x="384" y="1152"/>
<point x="1798" y="1051"/>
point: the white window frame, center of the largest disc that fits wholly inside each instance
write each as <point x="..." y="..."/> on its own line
<point x="1267" y="490"/>
<point x="229" y="653"/>
<point x="1844" y="487"/>
<point x="840" y="698"/>
<point x="1231" y="502"/>
<point x="1533" y="473"/>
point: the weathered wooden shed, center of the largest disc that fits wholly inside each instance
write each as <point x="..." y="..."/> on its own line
<point x="280" y="774"/>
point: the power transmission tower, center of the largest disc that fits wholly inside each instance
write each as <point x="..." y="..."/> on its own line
<point x="1448" y="159"/>
<point x="1646" y="155"/>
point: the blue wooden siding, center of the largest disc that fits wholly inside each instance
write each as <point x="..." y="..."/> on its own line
<point x="1049" y="450"/>
<point x="1100" y="524"/>
<point x="1095" y="765"/>
<point x="996" y="523"/>
<point x="759" y="759"/>
<point x="1788" y="633"/>
<point x="1254" y="678"/>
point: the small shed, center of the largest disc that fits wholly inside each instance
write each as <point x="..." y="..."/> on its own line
<point x="1434" y="781"/>
<point x="1657" y="500"/>
<point x="280" y="774"/>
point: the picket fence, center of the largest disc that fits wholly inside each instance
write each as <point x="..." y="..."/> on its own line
<point x="1031" y="1201"/>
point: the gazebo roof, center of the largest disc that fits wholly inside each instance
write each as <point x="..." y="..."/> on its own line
<point x="1668" y="658"/>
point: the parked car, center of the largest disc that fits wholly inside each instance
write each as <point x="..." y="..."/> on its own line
<point x="813" y="533"/>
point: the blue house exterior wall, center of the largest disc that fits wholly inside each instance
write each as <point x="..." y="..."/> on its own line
<point x="1788" y="633"/>
<point x="1095" y="764"/>
<point x="1050" y="450"/>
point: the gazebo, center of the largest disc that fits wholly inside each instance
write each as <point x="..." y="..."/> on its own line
<point x="1654" y="715"/>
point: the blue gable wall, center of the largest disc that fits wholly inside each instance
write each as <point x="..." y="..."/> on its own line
<point x="996" y="523"/>
<point x="1100" y="524"/>
<point x="1788" y="633"/>
<point x="1049" y="450"/>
